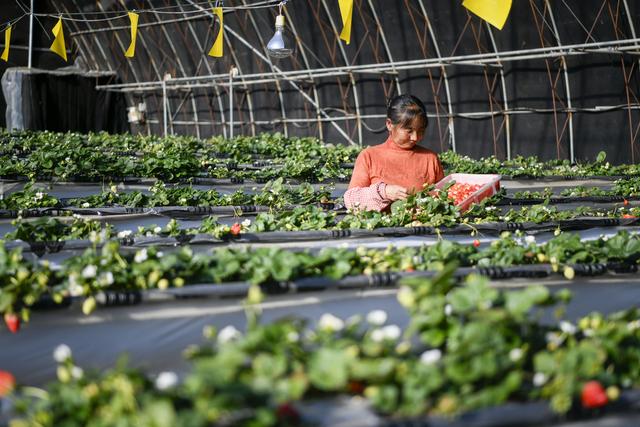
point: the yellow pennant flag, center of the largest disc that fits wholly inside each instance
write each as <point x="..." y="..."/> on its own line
<point x="346" y="12"/>
<point x="216" y="49"/>
<point x="495" y="12"/>
<point x="58" y="44"/>
<point x="7" y="41"/>
<point x="133" y="17"/>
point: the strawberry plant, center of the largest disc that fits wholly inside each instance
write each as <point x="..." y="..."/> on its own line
<point x="467" y="346"/>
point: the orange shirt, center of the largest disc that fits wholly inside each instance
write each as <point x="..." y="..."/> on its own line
<point x="391" y="164"/>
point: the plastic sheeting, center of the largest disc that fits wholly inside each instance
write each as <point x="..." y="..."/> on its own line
<point x="344" y="411"/>
<point x="154" y="334"/>
<point x="12" y="91"/>
<point x="380" y="238"/>
<point x="62" y="100"/>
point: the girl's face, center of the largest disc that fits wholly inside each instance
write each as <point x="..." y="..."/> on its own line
<point x="407" y="136"/>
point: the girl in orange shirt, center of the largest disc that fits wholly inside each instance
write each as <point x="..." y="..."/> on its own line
<point x="398" y="167"/>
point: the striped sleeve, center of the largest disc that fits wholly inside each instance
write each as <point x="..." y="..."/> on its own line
<point x="372" y="198"/>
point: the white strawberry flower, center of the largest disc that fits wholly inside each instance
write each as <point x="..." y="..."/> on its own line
<point x="157" y="230"/>
<point x="61" y="353"/>
<point x="539" y="379"/>
<point x="633" y="325"/>
<point x="141" y="256"/>
<point x="530" y="239"/>
<point x="166" y="380"/>
<point x="330" y="323"/>
<point x="554" y="338"/>
<point x="567" y="327"/>
<point x="77" y="372"/>
<point x="106" y="279"/>
<point x="89" y="272"/>
<point x="515" y="354"/>
<point x="431" y="357"/>
<point x="448" y="310"/>
<point x="228" y="333"/>
<point x="124" y="233"/>
<point x="39" y="195"/>
<point x="392" y="332"/>
<point x="75" y="290"/>
<point x="377" y="317"/>
<point x="377" y="335"/>
<point x="246" y="223"/>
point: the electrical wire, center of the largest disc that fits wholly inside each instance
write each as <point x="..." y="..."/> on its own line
<point x="12" y="22"/>
<point x="119" y="14"/>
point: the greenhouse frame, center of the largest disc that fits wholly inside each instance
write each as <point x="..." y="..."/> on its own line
<point x="232" y="213"/>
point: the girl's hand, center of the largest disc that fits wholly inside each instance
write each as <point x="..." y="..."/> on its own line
<point x="395" y="192"/>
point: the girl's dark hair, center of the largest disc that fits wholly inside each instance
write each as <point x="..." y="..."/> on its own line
<point x="405" y="109"/>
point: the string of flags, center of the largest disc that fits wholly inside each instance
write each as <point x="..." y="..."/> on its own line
<point x="495" y="12"/>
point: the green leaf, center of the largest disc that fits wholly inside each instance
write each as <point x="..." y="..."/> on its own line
<point x="328" y="369"/>
<point x="518" y="303"/>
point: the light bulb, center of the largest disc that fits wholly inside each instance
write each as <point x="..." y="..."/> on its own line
<point x="279" y="46"/>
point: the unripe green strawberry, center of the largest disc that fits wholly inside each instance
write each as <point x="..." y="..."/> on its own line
<point x="89" y="305"/>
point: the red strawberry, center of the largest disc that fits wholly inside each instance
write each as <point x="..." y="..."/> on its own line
<point x="287" y="413"/>
<point x="355" y="387"/>
<point x="628" y="216"/>
<point x="476" y="243"/>
<point x="13" y="322"/>
<point x="593" y="395"/>
<point x="625" y="202"/>
<point x="235" y="229"/>
<point x="7" y="383"/>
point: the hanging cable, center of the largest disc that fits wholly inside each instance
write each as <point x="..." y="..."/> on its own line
<point x="69" y="16"/>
